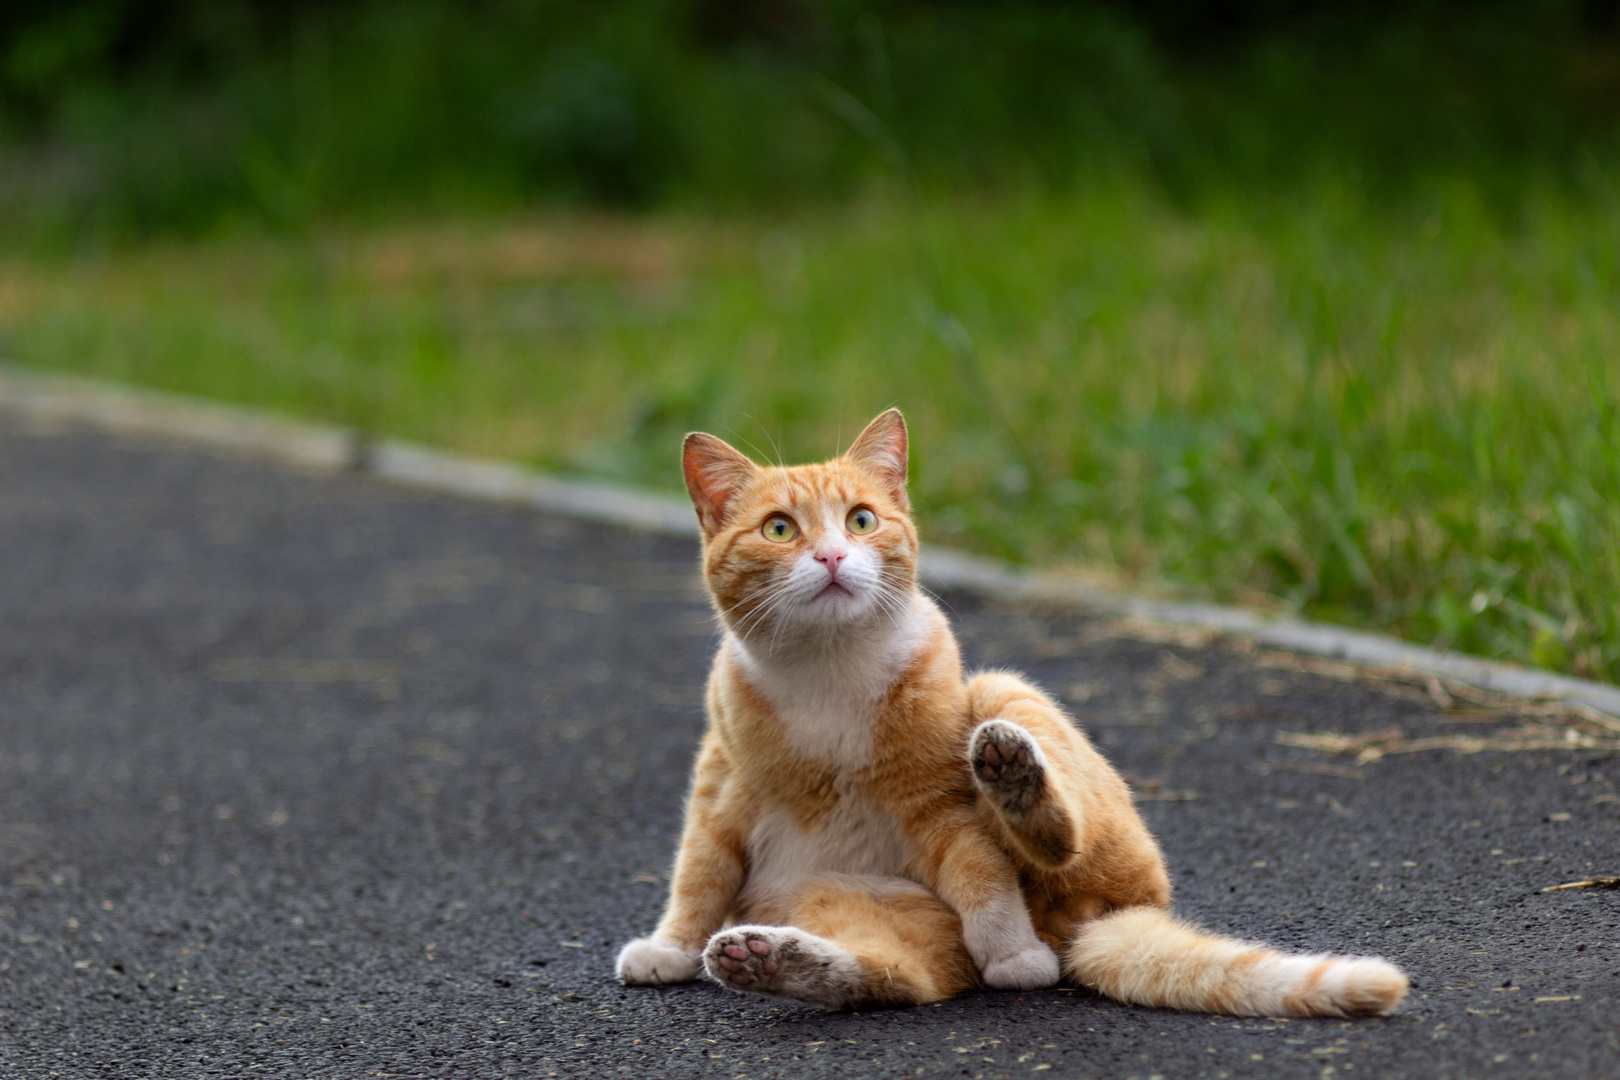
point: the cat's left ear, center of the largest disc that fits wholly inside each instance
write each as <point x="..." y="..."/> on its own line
<point x="881" y="451"/>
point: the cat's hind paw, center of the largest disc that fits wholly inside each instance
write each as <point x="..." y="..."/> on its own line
<point x="1008" y="766"/>
<point x="783" y="962"/>
<point x="652" y="961"/>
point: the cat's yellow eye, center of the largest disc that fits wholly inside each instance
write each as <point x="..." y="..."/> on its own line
<point x="780" y="529"/>
<point x="861" y="521"/>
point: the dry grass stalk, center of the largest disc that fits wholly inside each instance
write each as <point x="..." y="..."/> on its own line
<point x="1312" y="767"/>
<point x="1445" y="694"/>
<point x="1372" y="746"/>
<point x="1463" y="703"/>
<point x="1138" y="628"/>
<point x="1589" y="883"/>
<point x="1154" y="791"/>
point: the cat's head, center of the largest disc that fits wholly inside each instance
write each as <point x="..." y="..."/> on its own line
<point x="809" y="546"/>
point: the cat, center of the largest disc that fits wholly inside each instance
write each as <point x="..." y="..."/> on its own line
<point x="867" y="827"/>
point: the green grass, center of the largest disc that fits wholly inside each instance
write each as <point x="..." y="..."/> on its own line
<point x="1404" y="419"/>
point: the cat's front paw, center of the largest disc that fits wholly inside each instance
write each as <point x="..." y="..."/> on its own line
<point x="1035" y="968"/>
<point x="1008" y="766"/>
<point x="651" y="961"/>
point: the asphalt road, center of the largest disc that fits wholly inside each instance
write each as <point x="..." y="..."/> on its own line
<point x="304" y="776"/>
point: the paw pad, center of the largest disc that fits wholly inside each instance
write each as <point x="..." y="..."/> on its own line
<point x="783" y="962"/>
<point x="1007" y="765"/>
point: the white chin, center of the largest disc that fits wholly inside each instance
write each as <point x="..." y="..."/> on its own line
<point x="837" y="604"/>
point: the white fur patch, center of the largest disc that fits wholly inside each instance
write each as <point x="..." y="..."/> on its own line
<point x="824" y="686"/>
<point x="1348" y="986"/>
<point x="653" y="961"/>
<point x="854" y="837"/>
<point x="1001" y="939"/>
<point x="1035" y="968"/>
<point x="1275" y="976"/>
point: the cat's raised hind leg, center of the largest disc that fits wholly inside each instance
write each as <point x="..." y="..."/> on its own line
<point x="1054" y="802"/>
<point x="1013" y="777"/>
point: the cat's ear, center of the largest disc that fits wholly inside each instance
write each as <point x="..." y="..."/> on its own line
<point x="715" y="473"/>
<point x="881" y="451"/>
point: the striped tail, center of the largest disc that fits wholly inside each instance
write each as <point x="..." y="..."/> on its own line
<point x="1146" y="956"/>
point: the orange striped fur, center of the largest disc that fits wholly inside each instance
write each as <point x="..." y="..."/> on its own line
<point x="868" y="826"/>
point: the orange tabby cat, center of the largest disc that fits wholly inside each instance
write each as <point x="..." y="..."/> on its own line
<point x="868" y="827"/>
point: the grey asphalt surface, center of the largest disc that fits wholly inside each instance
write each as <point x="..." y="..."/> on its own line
<point x="309" y="776"/>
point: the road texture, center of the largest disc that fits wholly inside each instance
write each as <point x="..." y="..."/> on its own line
<point x="309" y="776"/>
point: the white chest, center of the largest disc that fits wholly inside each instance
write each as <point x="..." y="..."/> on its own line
<point x="825" y="693"/>
<point x="854" y="837"/>
<point x="827" y="718"/>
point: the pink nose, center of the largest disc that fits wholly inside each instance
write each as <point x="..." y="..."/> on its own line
<point x="830" y="559"/>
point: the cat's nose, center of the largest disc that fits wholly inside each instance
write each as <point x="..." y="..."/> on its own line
<point x="830" y="558"/>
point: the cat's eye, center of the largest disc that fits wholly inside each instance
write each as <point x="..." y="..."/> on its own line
<point x="780" y="529"/>
<point x="861" y="520"/>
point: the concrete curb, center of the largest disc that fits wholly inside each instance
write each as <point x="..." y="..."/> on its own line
<point x="60" y="399"/>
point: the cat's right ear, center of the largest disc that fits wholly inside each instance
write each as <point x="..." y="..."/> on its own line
<point x="715" y="473"/>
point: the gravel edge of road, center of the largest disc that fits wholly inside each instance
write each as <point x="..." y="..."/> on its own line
<point x="330" y="448"/>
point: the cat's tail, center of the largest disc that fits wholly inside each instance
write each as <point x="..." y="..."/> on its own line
<point x="1146" y="956"/>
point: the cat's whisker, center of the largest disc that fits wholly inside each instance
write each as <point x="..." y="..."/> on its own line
<point x="895" y="582"/>
<point x="764" y="587"/>
<point x="887" y="594"/>
<point x="771" y="648"/>
<point x="899" y="607"/>
<point x="754" y="594"/>
<point x="740" y="626"/>
<point x="759" y="614"/>
<point x="777" y="633"/>
<point x="768" y="610"/>
<point x="752" y="445"/>
<point x="901" y="599"/>
<point x="784" y="595"/>
<point x="891" y="611"/>
<point x="938" y="599"/>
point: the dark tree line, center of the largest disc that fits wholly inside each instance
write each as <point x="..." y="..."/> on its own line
<point x="154" y="114"/>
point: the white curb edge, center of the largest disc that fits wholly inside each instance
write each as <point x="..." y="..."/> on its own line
<point x="111" y="407"/>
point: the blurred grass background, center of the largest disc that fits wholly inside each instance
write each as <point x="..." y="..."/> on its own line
<point x="1311" y="306"/>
